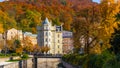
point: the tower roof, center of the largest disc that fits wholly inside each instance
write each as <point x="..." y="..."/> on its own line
<point x="46" y="21"/>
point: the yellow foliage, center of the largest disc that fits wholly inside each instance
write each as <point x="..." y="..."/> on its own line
<point x="1" y="28"/>
<point x="108" y="10"/>
<point x="19" y="50"/>
<point x="27" y="44"/>
<point x="96" y="49"/>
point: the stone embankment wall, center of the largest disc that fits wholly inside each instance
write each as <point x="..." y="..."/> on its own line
<point x="67" y="65"/>
<point x="20" y="64"/>
<point x="30" y="63"/>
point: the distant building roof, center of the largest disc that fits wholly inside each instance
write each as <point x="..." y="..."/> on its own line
<point x="30" y="34"/>
<point x="67" y="34"/>
<point x="46" y="21"/>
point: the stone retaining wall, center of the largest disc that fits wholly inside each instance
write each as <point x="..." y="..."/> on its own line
<point x="20" y="64"/>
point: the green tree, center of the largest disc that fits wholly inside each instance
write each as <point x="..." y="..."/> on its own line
<point x="114" y="41"/>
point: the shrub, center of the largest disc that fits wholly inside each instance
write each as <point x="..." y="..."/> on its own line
<point x="14" y="54"/>
<point x="97" y="60"/>
<point x="74" y="59"/>
<point x="2" y="54"/>
<point x="25" y="56"/>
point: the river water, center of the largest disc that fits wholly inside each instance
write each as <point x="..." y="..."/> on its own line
<point x="48" y="62"/>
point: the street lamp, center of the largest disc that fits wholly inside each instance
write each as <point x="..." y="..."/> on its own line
<point x="5" y="40"/>
<point x="101" y="44"/>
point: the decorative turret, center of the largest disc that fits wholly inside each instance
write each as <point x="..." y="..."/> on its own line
<point x="46" y="21"/>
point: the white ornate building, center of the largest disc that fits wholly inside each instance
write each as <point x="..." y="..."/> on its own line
<point x="50" y="36"/>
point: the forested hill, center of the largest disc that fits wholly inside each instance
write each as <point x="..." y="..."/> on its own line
<point x="27" y="14"/>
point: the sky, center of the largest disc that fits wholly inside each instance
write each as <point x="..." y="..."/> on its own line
<point x="1" y="0"/>
<point x="98" y="1"/>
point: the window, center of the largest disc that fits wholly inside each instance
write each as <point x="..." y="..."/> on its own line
<point x="46" y="39"/>
<point x="46" y="33"/>
<point x="49" y="39"/>
<point x="49" y="33"/>
<point x="58" y="36"/>
<point x="58" y="41"/>
<point x="58" y="46"/>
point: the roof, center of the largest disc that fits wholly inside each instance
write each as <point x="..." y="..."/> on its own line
<point x="46" y="21"/>
<point x="30" y="34"/>
<point x="67" y="34"/>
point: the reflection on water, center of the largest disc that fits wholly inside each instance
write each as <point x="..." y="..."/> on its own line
<point x="48" y="62"/>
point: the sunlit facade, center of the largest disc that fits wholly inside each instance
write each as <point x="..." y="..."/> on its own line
<point x="14" y="33"/>
<point x="50" y="36"/>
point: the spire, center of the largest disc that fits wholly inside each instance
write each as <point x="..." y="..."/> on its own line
<point x="46" y="21"/>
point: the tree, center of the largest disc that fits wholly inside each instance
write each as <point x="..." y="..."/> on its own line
<point x="85" y="27"/>
<point x="114" y="41"/>
<point x="6" y="21"/>
<point x="108" y="10"/>
<point x="36" y="48"/>
<point x="44" y="49"/>
<point x="27" y="45"/>
<point x="115" y="37"/>
<point x="1" y="28"/>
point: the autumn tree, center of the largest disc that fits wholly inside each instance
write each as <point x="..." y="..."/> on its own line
<point x="85" y="28"/>
<point x="27" y="45"/>
<point x="44" y="49"/>
<point x="108" y="10"/>
<point x="36" y="48"/>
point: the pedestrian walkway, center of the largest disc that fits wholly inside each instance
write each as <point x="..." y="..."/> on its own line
<point x="5" y="63"/>
<point x="3" y="59"/>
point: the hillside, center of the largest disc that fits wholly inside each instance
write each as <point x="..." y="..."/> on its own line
<point x="27" y="14"/>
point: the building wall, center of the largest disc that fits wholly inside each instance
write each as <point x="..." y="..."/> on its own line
<point x="67" y="42"/>
<point x="12" y="33"/>
<point x="67" y="45"/>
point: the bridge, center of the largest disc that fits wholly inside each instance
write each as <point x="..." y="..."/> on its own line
<point x="46" y="60"/>
<point x="48" y="56"/>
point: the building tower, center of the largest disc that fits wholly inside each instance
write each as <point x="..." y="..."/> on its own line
<point x="50" y="36"/>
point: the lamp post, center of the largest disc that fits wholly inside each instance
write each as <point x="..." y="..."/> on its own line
<point x="5" y="40"/>
<point x="101" y="44"/>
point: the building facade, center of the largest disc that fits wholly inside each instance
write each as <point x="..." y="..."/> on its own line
<point x="50" y="36"/>
<point x="12" y="33"/>
<point x="67" y="42"/>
